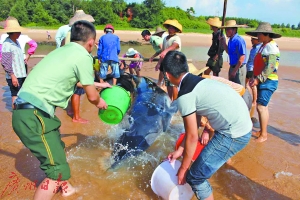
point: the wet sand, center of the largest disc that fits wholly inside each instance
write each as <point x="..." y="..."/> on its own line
<point x="270" y="170"/>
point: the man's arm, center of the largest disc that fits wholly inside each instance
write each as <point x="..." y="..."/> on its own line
<point x="237" y="66"/>
<point x="173" y="47"/>
<point x="191" y="130"/>
<point x="93" y="96"/>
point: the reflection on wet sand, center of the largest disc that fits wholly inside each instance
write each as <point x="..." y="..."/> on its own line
<point x="270" y="170"/>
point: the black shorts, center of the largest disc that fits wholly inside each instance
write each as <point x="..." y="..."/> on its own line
<point x="249" y="74"/>
<point x="14" y="90"/>
<point x="215" y="66"/>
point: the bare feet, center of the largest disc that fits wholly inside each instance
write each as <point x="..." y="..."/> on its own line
<point x="256" y="134"/>
<point x="261" y="139"/>
<point x="80" y="120"/>
<point x="72" y="190"/>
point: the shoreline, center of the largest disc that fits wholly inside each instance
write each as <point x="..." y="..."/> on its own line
<point x="187" y="39"/>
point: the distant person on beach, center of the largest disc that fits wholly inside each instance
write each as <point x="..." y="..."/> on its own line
<point x="45" y="89"/>
<point x="170" y="43"/>
<point x="155" y="40"/>
<point x="215" y="52"/>
<point x="109" y="48"/>
<point x="23" y="40"/>
<point x="267" y="81"/>
<point x="75" y="99"/>
<point x="229" y="118"/>
<point x="134" y="66"/>
<point x="250" y="63"/>
<point x="12" y="58"/>
<point x="48" y="35"/>
<point x="236" y="50"/>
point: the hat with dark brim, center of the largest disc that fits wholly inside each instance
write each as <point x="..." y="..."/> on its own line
<point x="195" y="71"/>
<point x="231" y="24"/>
<point x="174" y="23"/>
<point x="80" y="15"/>
<point x="159" y="30"/>
<point x="263" y="27"/>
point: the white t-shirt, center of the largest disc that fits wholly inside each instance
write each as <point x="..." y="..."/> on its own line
<point x="23" y="40"/>
<point x="224" y="108"/>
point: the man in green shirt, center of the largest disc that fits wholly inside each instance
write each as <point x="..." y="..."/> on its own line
<point x="155" y="40"/>
<point x="49" y="85"/>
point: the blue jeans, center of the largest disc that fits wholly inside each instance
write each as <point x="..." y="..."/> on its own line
<point x="265" y="91"/>
<point x="115" y="73"/>
<point x="219" y="149"/>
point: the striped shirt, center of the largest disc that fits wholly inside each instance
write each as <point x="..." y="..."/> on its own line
<point x="12" y="59"/>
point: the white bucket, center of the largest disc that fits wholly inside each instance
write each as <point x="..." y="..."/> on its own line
<point x="164" y="182"/>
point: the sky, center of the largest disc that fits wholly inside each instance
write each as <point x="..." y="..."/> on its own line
<point x="272" y="11"/>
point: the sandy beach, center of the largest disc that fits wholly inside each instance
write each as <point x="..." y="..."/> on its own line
<point x="269" y="170"/>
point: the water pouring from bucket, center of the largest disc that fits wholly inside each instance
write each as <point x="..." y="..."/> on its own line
<point x="164" y="182"/>
<point x="118" y="102"/>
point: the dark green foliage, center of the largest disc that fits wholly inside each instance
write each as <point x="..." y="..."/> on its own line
<point x="123" y="15"/>
<point x="6" y="6"/>
<point x="19" y="12"/>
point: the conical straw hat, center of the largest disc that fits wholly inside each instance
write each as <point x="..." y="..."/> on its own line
<point x="214" y="22"/>
<point x="195" y="71"/>
<point x="158" y="30"/>
<point x="173" y="22"/>
<point x="80" y="15"/>
<point x="12" y="26"/>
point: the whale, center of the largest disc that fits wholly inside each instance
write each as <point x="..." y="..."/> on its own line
<point x="149" y="116"/>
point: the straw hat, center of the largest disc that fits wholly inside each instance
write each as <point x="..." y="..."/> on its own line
<point x="131" y="52"/>
<point x="195" y="71"/>
<point x="12" y="26"/>
<point x="159" y="30"/>
<point x="214" y="22"/>
<point x="173" y="22"/>
<point x="231" y="24"/>
<point x="80" y="15"/>
<point x="263" y="27"/>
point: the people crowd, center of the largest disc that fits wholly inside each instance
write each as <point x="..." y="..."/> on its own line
<point x="36" y="94"/>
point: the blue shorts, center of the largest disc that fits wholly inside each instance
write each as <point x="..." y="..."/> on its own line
<point x="79" y="91"/>
<point x="219" y="149"/>
<point x="115" y="72"/>
<point x="265" y="91"/>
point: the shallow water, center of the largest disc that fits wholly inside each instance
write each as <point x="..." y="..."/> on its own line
<point x="287" y="58"/>
<point x="261" y="171"/>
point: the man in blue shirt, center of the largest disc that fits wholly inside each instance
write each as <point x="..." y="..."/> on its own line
<point x="236" y="50"/>
<point x="108" y="50"/>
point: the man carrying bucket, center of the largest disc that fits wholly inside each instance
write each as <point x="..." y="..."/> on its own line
<point x="229" y="118"/>
<point x="46" y="88"/>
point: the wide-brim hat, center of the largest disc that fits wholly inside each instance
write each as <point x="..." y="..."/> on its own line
<point x="159" y="30"/>
<point x="263" y="27"/>
<point x="12" y="26"/>
<point x="231" y="24"/>
<point x="80" y="15"/>
<point x="214" y="22"/>
<point x="173" y="22"/>
<point x="195" y="71"/>
<point x="131" y="52"/>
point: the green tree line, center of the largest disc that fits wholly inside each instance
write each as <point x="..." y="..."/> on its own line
<point x="148" y="14"/>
